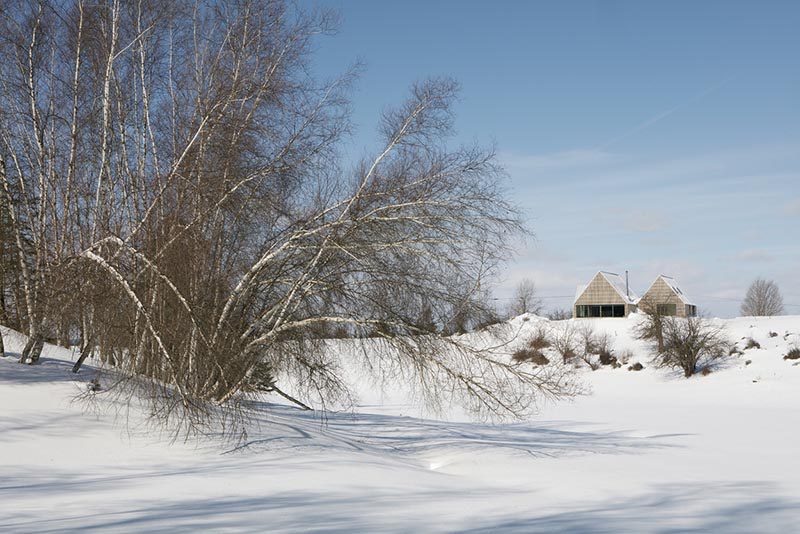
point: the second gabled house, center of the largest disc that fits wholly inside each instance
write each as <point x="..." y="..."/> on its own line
<point x="666" y="298"/>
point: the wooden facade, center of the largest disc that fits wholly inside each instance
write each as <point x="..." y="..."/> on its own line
<point x="606" y="295"/>
<point x="667" y="297"/>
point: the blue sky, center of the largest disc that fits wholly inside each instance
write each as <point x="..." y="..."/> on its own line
<point x="657" y="137"/>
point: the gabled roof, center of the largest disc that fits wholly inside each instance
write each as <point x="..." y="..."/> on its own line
<point x="617" y="282"/>
<point x="673" y="285"/>
<point x="579" y="291"/>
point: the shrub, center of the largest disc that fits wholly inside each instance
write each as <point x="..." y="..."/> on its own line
<point x="539" y="340"/>
<point x="533" y="356"/>
<point x="606" y="358"/>
<point x="688" y="342"/>
<point x="599" y="345"/>
<point x="564" y="339"/>
<point x="735" y="351"/>
<point x="773" y="334"/>
<point x="752" y="344"/>
<point x="636" y="367"/>
<point x="706" y="371"/>
<point x="591" y="345"/>
<point x="793" y="354"/>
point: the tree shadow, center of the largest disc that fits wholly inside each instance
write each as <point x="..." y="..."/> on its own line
<point x="45" y="371"/>
<point x="700" y="507"/>
<point x="284" y="427"/>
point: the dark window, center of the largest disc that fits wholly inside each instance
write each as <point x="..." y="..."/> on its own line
<point x="691" y="310"/>
<point x="666" y="309"/>
<point x="604" y="310"/>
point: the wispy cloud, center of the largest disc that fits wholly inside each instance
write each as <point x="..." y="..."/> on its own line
<point x="664" y="114"/>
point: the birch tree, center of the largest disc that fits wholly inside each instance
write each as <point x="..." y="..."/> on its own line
<point x="192" y="219"/>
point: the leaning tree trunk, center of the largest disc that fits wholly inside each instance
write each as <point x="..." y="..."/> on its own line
<point x="85" y="351"/>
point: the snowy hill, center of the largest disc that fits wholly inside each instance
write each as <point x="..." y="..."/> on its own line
<point x="643" y="451"/>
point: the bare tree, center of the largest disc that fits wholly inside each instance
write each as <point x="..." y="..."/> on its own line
<point x="651" y="326"/>
<point x="525" y="299"/>
<point x="177" y="197"/>
<point x="690" y="342"/>
<point x="559" y="314"/>
<point x="763" y="298"/>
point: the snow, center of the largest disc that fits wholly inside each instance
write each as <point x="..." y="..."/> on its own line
<point x="644" y="451"/>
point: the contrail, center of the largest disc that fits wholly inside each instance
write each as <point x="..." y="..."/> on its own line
<point x="649" y="122"/>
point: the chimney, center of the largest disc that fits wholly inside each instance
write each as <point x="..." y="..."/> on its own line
<point x="627" y="290"/>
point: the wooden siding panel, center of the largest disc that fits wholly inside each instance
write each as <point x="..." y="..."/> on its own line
<point x="661" y="293"/>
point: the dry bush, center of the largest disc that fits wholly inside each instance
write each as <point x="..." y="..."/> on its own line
<point x="565" y="341"/>
<point x="689" y="342"/>
<point x="591" y="346"/>
<point x="532" y="355"/>
<point x="540" y="339"/>
<point x="752" y="344"/>
<point x="793" y="354"/>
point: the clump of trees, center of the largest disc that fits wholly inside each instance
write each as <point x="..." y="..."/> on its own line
<point x="173" y="199"/>
<point x="763" y="298"/>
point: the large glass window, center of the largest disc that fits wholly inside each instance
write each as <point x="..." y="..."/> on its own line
<point x="603" y="310"/>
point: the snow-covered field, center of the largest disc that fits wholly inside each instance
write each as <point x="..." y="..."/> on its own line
<point x="644" y="451"/>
